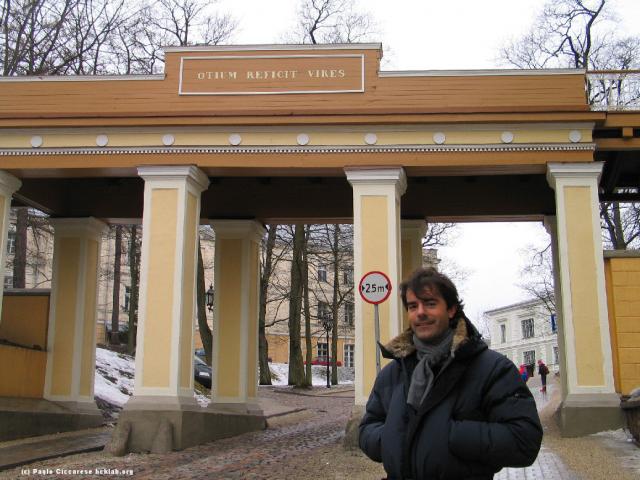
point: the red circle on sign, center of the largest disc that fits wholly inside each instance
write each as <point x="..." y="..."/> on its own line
<point x="373" y="276"/>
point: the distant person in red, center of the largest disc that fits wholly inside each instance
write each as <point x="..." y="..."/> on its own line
<point x="523" y="373"/>
<point x="543" y="371"/>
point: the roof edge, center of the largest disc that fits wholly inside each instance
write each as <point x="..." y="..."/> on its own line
<point x="274" y="46"/>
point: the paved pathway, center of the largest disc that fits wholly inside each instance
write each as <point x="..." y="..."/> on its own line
<point x="306" y="448"/>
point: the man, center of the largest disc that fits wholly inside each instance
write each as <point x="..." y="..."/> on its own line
<point x="446" y="407"/>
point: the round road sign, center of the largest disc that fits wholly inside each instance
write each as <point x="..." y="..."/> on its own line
<point x="375" y="287"/>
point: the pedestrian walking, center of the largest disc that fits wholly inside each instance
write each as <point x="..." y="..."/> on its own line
<point x="446" y="406"/>
<point x="543" y="371"/>
<point x="524" y="374"/>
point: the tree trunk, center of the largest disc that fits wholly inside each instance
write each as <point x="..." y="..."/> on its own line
<point x="134" y="271"/>
<point x="307" y="310"/>
<point x="203" y="326"/>
<point x="296" y="368"/>
<point x="20" y="256"/>
<point x="263" y="345"/>
<point x="620" y="242"/>
<point x="115" y="310"/>
<point x="334" y="304"/>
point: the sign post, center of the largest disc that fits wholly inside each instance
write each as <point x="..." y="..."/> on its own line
<point x="375" y="288"/>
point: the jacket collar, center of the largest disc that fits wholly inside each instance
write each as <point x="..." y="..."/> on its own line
<point x="465" y="334"/>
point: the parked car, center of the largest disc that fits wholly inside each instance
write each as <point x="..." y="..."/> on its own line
<point x="201" y="372"/>
<point x="323" y="361"/>
<point x="200" y="353"/>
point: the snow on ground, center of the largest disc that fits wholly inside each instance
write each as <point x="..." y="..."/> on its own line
<point x="114" y="376"/>
<point x="114" y="380"/>
<point x="115" y="371"/>
<point x="280" y="373"/>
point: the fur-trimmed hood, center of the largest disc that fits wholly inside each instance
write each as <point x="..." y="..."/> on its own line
<point x="402" y="346"/>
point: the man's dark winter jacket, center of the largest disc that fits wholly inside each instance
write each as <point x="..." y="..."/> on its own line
<point x="478" y="417"/>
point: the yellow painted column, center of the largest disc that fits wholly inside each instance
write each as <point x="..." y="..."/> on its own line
<point x="8" y="186"/>
<point x="166" y="317"/>
<point x="551" y="225"/>
<point x="412" y="232"/>
<point x="235" y="326"/>
<point x="589" y="386"/>
<point x="71" y="340"/>
<point x="376" y="246"/>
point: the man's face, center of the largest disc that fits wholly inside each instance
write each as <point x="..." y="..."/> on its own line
<point x="428" y="314"/>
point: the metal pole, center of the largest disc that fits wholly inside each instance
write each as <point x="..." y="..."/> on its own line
<point x="328" y="356"/>
<point x="376" y="321"/>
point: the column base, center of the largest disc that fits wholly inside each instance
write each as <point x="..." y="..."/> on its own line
<point x="190" y="424"/>
<point x="30" y="417"/>
<point x="351" y="439"/>
<point x="584" y="414"/>
<point x="249" y="408"/>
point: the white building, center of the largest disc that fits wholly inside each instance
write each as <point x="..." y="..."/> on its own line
<point x="525" y="332"/>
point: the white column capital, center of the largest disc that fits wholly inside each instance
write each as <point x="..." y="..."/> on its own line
<point x="378" y="176"/>
<point x="78" y="227"/>
<point x="416" y="228"/>
<point x="8" y="184"/>
<point x="175" y="173"/>
<point x="238" y="229"/>
<point x="576" y="173"/>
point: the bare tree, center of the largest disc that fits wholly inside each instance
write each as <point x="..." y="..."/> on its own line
<point x="134" y="274"/>
<point x="115" y="305"/>
<point x="20" y="256"/>
<point x="57" y="37"/>
<point x="563" y="35"/>
<point x="89" y="37"/>
<point x="188" y="22"/>
<point x="579" y="34"/>
<point x="296" y="369"/>
<point x="265" y="278"/>
<point x="331" y="21"/>
<point x="537" y="276"/>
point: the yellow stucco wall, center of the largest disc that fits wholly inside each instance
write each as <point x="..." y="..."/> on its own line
<point x="252" y="357"/>
<point x="65" y="315"/>
<point x="229" y="324"/>
<point x="18" y="364"/>
<point x="375" y="251"/>
<point x="584" y="289"/>
<point x="188" y="289"/>
<point x="88" y="344"/>
<point x="623" y="295"/>
<point x="157" y="335"/>
<point x="25" y="319"/>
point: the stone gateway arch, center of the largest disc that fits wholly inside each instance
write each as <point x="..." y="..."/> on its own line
<point x="238" y="137"/>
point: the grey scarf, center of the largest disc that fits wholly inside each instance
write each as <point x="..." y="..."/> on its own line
<point x="429" y="355"/>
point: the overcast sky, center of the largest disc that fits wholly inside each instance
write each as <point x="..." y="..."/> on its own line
<point x="445" y="35"/>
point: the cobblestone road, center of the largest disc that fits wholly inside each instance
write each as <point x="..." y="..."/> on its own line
<point x="306" y="447"/>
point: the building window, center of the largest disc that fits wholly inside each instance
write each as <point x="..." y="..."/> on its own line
<point x="127" y="298"/>
<point x="322" y="350"/>
<point x="554" y="324"/>
<point x="349" y="352"/>
<point x="347" y="275"/>
<point x="556" y="355"/>
<point x="322" y="273"/>
<point x="529" y="357"/>
<point x="503" y="333"/>
<point x="11" y="243"/>
<point x="348" y="313"/>
<point x="527" y="328"/>
<point x="323" y="311"/>
<point x="8" y="281"/>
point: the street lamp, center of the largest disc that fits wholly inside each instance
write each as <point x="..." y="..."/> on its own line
<point x="327" y="325"/>
<point x="210" y="296"/>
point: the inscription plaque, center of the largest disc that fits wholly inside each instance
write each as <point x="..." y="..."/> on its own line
<point x="271" y="74"/>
